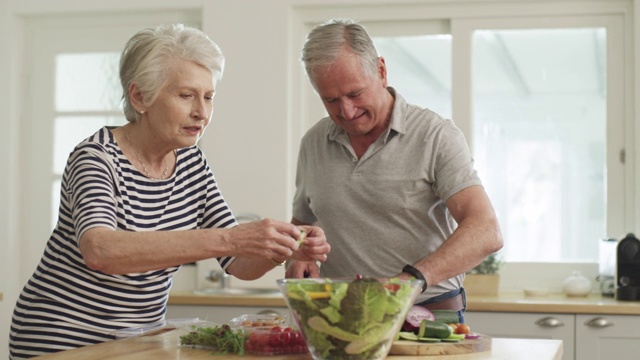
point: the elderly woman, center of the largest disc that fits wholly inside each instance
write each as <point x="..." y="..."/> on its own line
<point x="140" y="200"/>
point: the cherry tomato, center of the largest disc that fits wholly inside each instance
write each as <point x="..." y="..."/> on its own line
<point x="295" y="338"/>
<point x="462" y="329"/>
<point x="285" y="338"/>
<point x="274" y="339"/>
<point x="262" y="339"/>
<point x="392" y="288"/>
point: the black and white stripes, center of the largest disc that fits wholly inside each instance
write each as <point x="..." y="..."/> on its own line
<point x="66" y="305"/>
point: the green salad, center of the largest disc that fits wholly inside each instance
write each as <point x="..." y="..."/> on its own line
<point x="349" y="320"/>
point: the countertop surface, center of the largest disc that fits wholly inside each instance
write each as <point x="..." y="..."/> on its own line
<point x="164" y="346"/>
<point x="504" y="302"/>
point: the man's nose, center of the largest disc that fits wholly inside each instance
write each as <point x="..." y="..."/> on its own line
<point x="347" y="109"/>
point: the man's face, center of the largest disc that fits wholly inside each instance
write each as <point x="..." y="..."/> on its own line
<point x="356" y="101"/>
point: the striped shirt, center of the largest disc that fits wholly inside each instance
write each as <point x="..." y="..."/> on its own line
<point x="66" y="305"/>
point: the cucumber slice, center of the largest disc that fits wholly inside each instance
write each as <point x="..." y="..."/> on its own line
<point x="405" y="335"/>
<point x="429" y="340"/>
<point x="450" y="340"/>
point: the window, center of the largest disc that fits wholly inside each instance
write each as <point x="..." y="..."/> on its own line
<point x="74" y="81"/>
<point x="87" y="97"/>
<point x="539" y="132"/>
<point x="539" y="101"/>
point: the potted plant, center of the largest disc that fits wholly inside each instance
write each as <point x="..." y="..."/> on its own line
<point x="483" y="280"/>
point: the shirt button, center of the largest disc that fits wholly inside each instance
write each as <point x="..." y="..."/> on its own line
<point x="355" y="160"/>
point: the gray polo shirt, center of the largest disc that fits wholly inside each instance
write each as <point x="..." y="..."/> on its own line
<point x="386" y="209"/>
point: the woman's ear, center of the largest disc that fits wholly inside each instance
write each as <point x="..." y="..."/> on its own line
<point x="136" y="98"/>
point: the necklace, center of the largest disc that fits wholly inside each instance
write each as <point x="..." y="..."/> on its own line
<point x="144" y="168"/>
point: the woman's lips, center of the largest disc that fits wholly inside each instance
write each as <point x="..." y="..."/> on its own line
<point x="193" y="130"/>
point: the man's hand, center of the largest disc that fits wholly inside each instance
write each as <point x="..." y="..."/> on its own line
<point x="301" y="269"/>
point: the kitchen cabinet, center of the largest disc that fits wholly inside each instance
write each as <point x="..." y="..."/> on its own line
<point x="584" y="336"/>
<point x="220" y="314"/>
<point x="526" y="325"/>
<point x="607" y="337"/>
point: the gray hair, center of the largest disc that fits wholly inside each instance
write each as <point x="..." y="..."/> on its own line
<point x="150" y="53"/>
<point x="326" y="43"/>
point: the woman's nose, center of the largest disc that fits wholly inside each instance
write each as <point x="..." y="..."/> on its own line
<point x="198" y="111"/>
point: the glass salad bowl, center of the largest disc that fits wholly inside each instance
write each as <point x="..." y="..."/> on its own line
<point x="349" y="318"/>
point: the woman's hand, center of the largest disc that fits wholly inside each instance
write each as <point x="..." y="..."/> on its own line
<point x="267" y="238"/>
<point x="315" y="246"/>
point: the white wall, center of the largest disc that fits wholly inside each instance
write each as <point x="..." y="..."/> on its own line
<point x="248" y="141"/>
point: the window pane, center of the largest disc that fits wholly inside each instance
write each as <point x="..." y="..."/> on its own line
<point x="88" y="82"/>
<point x="539" y="136"/>
<point x="71" y="130"/>
<point x="419" y="67"/>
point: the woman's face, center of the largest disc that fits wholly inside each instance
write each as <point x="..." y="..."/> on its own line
<point x="184" y="106"/>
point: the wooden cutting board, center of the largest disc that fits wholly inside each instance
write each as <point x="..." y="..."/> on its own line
<point x="406" y="347"/>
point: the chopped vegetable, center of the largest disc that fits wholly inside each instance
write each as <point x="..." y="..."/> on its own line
<point x="303" y="237"/>
<point x="353" y="320"/>
<point x="415" y="316"/>
<point x="221" y="339"/>
<point x="434" y="329"/>
<point x="407" y="335"/>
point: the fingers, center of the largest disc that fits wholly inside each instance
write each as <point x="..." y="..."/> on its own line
<point x="313" y="270"/>
<point x="274" y="239"/>
<point x="315" y="246"/>
<point x="301" y="269"/>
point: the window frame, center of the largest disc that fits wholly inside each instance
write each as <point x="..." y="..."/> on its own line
<point x="462" y="18"/>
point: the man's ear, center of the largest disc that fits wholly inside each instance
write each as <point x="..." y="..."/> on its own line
<point x="382" y="71"/>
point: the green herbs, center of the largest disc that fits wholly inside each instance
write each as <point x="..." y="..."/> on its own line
<point x="350" y="320"/>
<point x="490" y="265"/>
<point x="221" y="339"/>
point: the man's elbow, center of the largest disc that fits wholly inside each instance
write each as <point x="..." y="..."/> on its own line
<point x="496" y="239"/>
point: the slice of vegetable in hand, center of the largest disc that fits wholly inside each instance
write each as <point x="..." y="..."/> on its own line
<point x="303" y="236"/>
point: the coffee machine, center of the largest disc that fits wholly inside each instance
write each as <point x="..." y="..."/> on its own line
<point x="628" y="269"/>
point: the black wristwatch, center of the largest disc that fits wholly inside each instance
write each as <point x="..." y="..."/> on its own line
<point x="410" y="269"/>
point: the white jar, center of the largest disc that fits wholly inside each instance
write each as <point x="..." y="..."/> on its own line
<point x="576" y="285"/>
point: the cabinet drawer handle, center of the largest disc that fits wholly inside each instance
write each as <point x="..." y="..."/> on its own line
<point x="598" y="323"/>
<point x="550" y="322"/>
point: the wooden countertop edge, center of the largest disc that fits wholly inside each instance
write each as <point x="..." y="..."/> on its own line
<point x="507" y="303"/>
<point x="187" y="298"/>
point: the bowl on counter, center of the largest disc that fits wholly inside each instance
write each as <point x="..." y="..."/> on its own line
<point x="349" y="318"/>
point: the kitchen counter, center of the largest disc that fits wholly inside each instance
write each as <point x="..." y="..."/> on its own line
<point x="504" y="302"/>
<point x="164" y="346"/>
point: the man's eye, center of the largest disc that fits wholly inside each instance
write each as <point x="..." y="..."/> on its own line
<point x="330" y="101"/>
<point x="186" y="96"/>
